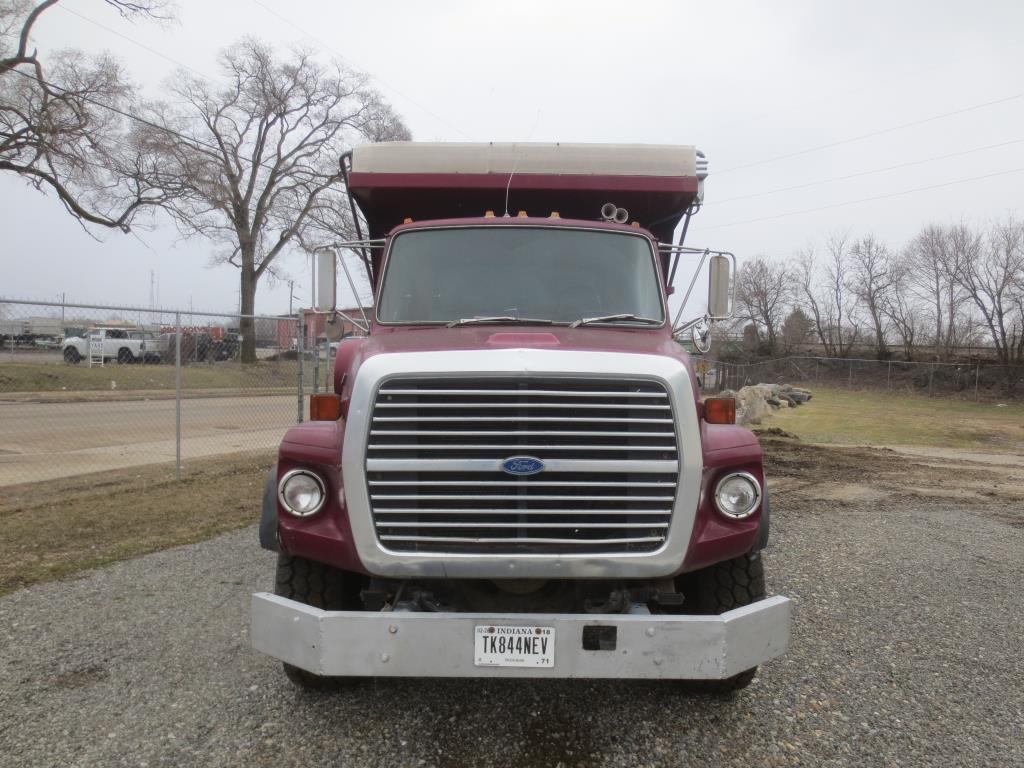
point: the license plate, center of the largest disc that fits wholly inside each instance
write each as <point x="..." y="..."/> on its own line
<point x="497" y="646"/>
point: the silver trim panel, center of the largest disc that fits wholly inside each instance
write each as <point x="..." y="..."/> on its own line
<point x="662" y="561"/>
<point x="406" y="644"/>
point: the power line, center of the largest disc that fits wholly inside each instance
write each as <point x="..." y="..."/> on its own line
<point x="865" y="199"/>
<point x="871" y="134"/>
<point x="716" y="203"/>
<point x="195" y="143"/>
<point x="133" y="41"/>
<point x="387" y="85"/>
<point x="198" y="144"/>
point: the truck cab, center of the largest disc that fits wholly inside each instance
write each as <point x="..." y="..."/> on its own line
<point x="516" y="474"/>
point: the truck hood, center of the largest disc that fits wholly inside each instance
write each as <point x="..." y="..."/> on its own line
<point x="586" y="338"/>
<point x="353" y="352"/>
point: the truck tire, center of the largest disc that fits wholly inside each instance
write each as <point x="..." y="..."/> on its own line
<point x="125" y="356"/>
<point x="320" y="586"/>
<point x="720" y="588"/>
<point x="71" y="356"/>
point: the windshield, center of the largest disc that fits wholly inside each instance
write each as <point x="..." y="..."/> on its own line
<point x="540" y="273"/>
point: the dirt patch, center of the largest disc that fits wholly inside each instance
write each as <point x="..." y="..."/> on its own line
<point x="802" y="471"/>
<point x="57" y="528"/>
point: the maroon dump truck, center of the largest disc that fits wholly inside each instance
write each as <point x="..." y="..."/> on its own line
<point x="516" y="474"/>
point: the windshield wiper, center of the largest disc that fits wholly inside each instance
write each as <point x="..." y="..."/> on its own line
<point x="610" y="318"/>
<point x="501" y="319"/>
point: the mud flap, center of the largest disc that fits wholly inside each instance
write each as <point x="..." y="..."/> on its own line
<point x="268" y="518"/>
<point x="762" y="530"/>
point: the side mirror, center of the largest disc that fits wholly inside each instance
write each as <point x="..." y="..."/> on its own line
<point x="718" y="288"/>
<point x="326" y="281"/>
<point x="334" y="328"/>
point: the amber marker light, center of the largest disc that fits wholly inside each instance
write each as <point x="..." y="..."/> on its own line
<point x="720" y="410"/>
<point x="324" y="407"/>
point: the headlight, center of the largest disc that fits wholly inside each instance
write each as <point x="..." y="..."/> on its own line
<point x="301" y="492"/>
<point x="737" y="495"/>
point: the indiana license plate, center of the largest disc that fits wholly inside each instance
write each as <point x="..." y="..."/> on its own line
<point x="497" y="646"/>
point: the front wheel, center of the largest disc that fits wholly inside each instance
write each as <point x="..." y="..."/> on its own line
<point x="319" y="586"/>
<point x="720" y="588"/>
<point x="71" y="356"/>
<point x="125" y="356"/>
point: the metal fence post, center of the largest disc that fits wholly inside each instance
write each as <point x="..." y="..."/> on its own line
<point x="977" y="373"/>
<point x="299" y="346"/>
<point x="888" y="376"/>
<point x="931" y="377"/>
<point x="177" y="395"/>
<point x="851" y="374"/>
<point x="316" y="366"/>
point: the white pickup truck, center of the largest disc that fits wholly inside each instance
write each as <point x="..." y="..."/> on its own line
<point x="120" y="344"/>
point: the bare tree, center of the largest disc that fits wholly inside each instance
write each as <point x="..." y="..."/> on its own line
<point x="277" y="128"/>
<point x="762" y="291"/>
<point x="934" y="280"/>
<point x="810" y="298"/>
<point x="901" y="307"/>
<point x="842" y="301"/>
<point x="871" y="281"/>
<point x="60" y="126"/>
<point x="825" y="294"/>
<point x="991" y="271"/>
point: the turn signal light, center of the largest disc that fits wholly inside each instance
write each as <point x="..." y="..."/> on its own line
<point x="720" y="410"/>
<point x="325" y="407"/>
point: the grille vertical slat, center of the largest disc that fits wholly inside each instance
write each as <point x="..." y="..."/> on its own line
<point x="436" y="446"/>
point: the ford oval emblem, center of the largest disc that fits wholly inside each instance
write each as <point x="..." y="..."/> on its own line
<point x="522" y="465"/>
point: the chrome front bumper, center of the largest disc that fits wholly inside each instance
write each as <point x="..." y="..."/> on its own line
<point x="407" y="644"/>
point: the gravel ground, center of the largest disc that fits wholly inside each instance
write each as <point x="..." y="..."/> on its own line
<point x="906" y="651"/>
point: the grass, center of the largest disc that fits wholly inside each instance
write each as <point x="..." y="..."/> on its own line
<point x="872" y="418"/>
<point x="55" y="529"/>
<point x="59" y="377"/>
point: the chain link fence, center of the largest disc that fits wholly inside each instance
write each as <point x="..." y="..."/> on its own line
<point x="976" y="381"/>
<point x="91" y="388"/>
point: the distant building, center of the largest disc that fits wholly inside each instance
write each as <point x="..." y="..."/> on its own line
<point x="287" y="330"/>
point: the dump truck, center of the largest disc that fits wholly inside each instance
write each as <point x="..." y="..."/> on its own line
<point x="516" y="474"/>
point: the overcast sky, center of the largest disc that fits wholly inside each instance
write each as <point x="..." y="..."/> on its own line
<point x="747" y="82"/>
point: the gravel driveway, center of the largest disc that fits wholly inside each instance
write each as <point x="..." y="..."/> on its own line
<point x="906" y="650"/>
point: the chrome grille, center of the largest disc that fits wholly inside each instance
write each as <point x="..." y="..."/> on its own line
<point x="436" y="445"/>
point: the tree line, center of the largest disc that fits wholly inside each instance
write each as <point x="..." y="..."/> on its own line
<point x="950" y="286"/>
<point x="248" y="160"/>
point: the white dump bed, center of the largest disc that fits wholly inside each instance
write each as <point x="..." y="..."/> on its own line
<point x="665" y="160"/>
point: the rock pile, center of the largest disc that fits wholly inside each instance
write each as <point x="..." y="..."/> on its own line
<point x="756" y="401"/>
